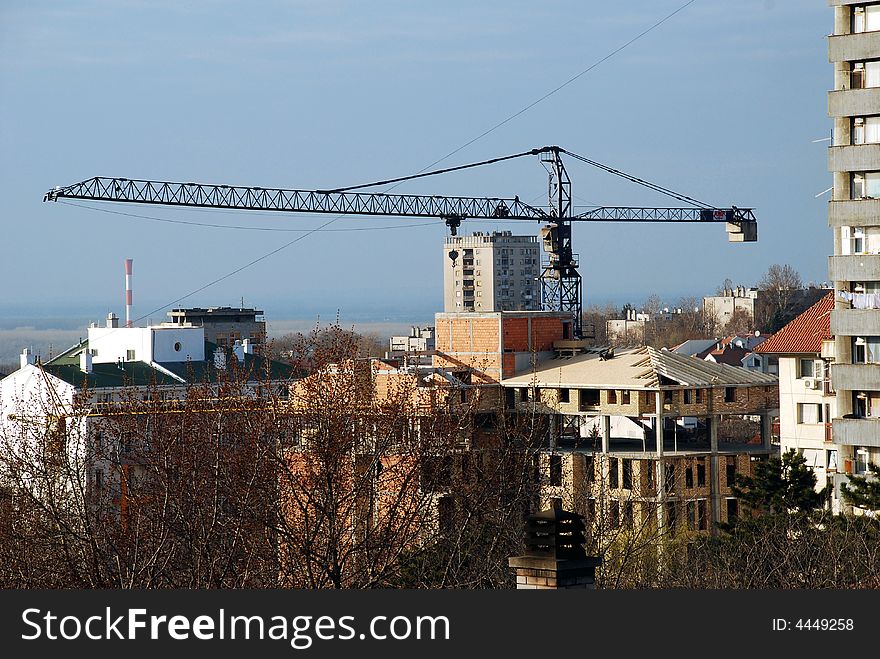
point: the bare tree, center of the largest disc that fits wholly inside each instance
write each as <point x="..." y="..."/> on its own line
<point x="780" y="286"/>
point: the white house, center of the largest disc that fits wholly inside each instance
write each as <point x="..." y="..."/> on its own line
<point x="807" y="404"/>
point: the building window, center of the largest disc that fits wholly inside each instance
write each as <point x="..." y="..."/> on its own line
<point x="865" y="75"/>
<point x="129" y="355"/>
<point x="861" y="461"/>
<point x="866" y="19"/>
<point x="731" y="471"/>
<point x="668" y="396"/>
<point x="555" y="469"/>
<point x="701" y="473"/>
<point x="624" y="397"/>
<point x="732" y="510"/>
<point x="612" y="396"/>
<point x="524" y="394"/>
<point x="832" y="460"/>
<point x="806" y="368"/>
<point x="589" y="469"/>
<point x="698" y="396"/>
<point x="865" y="185"/>
<point x="689" y="477"/>
<point x="590" y="517"/>
<point x="588" y="398"/>
<point x="670" y="478"/>
<point x="648" y="469"/>
<point x="671" y="514"/>
<point x="614" y="514"/>
<point x="613" y="480"/>
<point x="866" y="130"/>
<point x="445" y="513"/>
<point x="809" y="413"/>
<point x="99" y="479"/>
<point x="688" y="396"/>
<point x="729" y="394"/>
<point x="691" y="515"/>
<point x="866" y="350"/>
<point x="852" y="240"/>
<point x="564" y="396"/>
<point x="703" y="512"/>
<point x="627" y="474"/>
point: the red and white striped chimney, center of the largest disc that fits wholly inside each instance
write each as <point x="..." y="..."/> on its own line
<point x="128" y="292"/>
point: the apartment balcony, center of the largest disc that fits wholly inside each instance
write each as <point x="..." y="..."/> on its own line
<point x="855" y="158"/>
<point x="854" y="213"/>
<point x="850" y="47"/>
<point x="856" y="432"/>
<point x="855" y="377"/>
<point x="854" y="102"/>
<point x="855" y="322"/>
<point x="857" y="267"/>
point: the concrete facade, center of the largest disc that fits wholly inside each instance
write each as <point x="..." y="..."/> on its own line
<point x="805" y="413"/>
<point x="854" y="216"/>
<point x="225" y="325"/>
<point x="720" y="308"/>
<point x="495" y="271"/>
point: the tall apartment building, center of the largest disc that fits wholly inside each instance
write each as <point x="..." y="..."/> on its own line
<point x="488" y="272"/>
<point x="854" y="217"/>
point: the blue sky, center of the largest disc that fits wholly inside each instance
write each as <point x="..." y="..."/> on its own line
<point x="722" y="104"/>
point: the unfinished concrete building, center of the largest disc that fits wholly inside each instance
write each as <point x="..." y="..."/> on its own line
<point x="617" y="425"/>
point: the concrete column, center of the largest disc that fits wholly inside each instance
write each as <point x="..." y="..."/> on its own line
<point x="606" y="433"/>
<point x="842" y="77"/>
<point x="842" y="131"/>
<point x="766" y="430"/>
<point x="714" y="479"/>
<point x="840" y="192"/>
<point x="842" y="20"/>
<point x="661" y="467"/>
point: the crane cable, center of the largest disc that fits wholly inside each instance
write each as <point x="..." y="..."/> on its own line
<point x="423" y="173"/>
<point x="212" y="225"/>
<point x="635" y="179"/>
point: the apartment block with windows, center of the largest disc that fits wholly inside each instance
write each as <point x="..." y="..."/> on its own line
<point x="854" y="217"/>
<point x="495" y="271"/>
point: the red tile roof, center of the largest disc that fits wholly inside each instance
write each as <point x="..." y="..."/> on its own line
<point x="805" y="333"/>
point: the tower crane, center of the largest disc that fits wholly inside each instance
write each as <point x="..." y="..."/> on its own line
<point x="561" y="285"/>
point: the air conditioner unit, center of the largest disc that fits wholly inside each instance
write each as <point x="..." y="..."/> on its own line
<point x="811" y="383"/>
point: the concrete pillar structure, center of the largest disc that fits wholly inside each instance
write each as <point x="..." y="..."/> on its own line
<point x="606" y="433"/>
<point x="714" y="476"/>
<point x="661" y="467"/>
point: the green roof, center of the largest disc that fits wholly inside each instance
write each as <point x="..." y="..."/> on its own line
<point x="138" y="373"/>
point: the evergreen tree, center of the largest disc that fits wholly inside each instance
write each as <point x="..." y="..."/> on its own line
<point x="862" y="492"/>
<point x="781" y="484"/>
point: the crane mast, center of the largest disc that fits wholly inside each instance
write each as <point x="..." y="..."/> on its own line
<point x="561" y="284"/>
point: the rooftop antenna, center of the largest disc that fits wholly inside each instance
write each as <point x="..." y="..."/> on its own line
<point x="128" y="263"/>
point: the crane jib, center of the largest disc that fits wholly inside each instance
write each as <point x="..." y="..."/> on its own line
<point x="367" y="204"/>
<point x="560" y="281"/>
